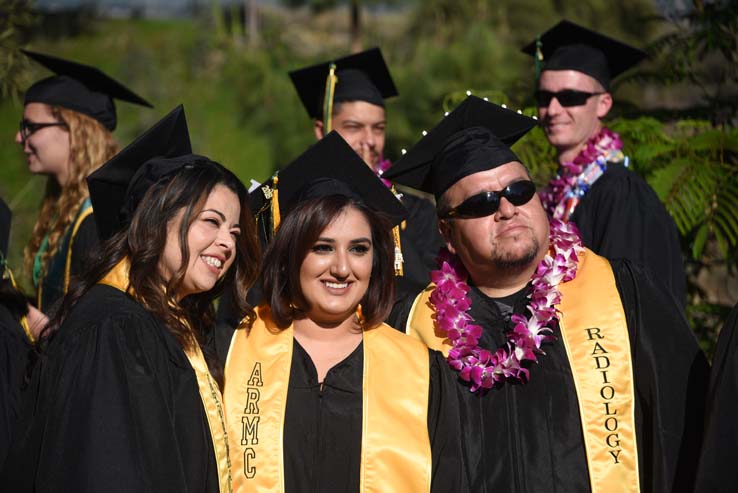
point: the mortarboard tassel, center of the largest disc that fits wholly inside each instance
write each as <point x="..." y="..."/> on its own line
<point x="330" y="89"/>
<point x="538" y="58"/>
<point x="275" y="204"/>
<point x="398" y="246"/>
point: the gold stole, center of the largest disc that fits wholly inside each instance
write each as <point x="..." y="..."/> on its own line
<point x="395" y="449"/>
<point x="209" y="392"/>
<point x="597" y="343"/>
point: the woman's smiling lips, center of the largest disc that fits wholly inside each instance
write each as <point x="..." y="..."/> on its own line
<point x="214" y="262"/>
<point x="335" y="287"/>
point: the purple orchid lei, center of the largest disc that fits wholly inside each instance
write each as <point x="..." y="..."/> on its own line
<point x="571" y="183"/>
<point x="382" y="166"/>
<point x="481" y="367"/>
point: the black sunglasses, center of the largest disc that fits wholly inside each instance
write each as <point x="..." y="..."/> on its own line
<point x="28" y="128"/>
<point x="487" y="203"/>
<point x="566" y="98"/>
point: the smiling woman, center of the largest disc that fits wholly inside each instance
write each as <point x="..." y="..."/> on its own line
<point x="313" y="396"/>
<point x="128" y="382"/>
<point x="65" y="134"/>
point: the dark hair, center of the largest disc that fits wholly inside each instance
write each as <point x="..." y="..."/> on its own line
<point x="143" y="243"/>
<point x="297" y="234"/>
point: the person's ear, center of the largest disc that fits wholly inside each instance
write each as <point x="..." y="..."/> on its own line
<point x="604" y="104"/>
<point x="444" y="227"/>
<point x="318" y="128"/>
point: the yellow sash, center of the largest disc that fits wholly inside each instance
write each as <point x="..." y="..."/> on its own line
<point x="395" y="450"/>
<point x="595" y="335"/>
<point x="208" y="389"/>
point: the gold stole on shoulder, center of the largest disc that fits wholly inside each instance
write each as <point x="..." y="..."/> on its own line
<point x="595" y="334"/>
<point x="212" y="400"/>
<point x="597" y="343"/>
<point x="395" y="450"/>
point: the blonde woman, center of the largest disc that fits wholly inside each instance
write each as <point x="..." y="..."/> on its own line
<point x="65" y="134"/>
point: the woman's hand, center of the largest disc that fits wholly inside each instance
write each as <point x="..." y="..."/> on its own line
<point x="36" y="321"/>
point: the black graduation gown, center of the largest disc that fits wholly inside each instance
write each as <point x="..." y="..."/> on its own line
<point x="718" y="469"/>
<point x="114" y="407"/>
<point x="528" y="437"/>
<point x="85" y="243"/>
<point x="14" y="350"/>
<point x="622" y="217"/>
<point x="322" y="430"/>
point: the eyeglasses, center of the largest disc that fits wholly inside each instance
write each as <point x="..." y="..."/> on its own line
<point x="28" y="128"/>
<point x="487" y="203"/>
<point x="566" y="98"/>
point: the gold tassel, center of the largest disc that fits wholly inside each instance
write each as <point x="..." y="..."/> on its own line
<point x="398" y="246"/>
<point x="276" y="219"/>
<point x="330" y="88"/>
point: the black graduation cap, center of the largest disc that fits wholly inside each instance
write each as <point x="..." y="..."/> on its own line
<point x="6" y="217"/>
<point x="569" y="46"/>
<point x="361" y="77"/>
<point x="117" y="187"/>
<point x="328" y="167"/>
<point x="475" y="136"/>
<point x="81" y="88"/>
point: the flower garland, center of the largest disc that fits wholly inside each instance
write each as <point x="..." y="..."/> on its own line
<point x="575" y="177"/>
<point x="382" y="166"/>
<point x="482" y="367"/>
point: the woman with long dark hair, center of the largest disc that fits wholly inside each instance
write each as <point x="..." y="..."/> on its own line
<point x="66" y="133"/>
<point x="320" y="394"/>
<point x="128" y="394"/>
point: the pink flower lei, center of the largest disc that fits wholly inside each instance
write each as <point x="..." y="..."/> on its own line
<point x="481" y="367"/>
<point x="575" y="177"/>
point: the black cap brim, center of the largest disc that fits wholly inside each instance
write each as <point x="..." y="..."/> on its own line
<point x="109" y="184"/>
<point x="331" y="158"/>
<point x="81" y="88"/>
<point x="564" y="47"/>
<point x="366" y="78"/>
<point x="419" y="168"/>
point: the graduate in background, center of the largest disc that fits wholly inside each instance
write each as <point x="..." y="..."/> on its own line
<point x="65" y="133"/>
<point x="575" y="373"/>
<point x="321" y="395"/>
<point x="127" y="395"/>
<point x="618" y="214"/>
<point x="347" y="95"/>
<point x="717" y="470"/>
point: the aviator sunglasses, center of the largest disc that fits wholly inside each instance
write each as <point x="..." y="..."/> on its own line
<point x="566" y="98"/>
<point x="487" y="203"/>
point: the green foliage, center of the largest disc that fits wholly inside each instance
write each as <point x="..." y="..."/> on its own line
<point x="693" y="169"/>
<point x="15" y="16"/>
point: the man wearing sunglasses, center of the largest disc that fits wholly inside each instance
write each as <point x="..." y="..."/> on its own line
<point x="618" y="214"/>
<point x="575" y="373"/>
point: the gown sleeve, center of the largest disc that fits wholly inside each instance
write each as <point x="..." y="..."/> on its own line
<point x="671" y="374"/>
<point x="717" y="469"/>
<point x="109" y="403"/>
<point x="14" y="350"/>
<point x="622" y="217"/>
<point x="444" y="428"/>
